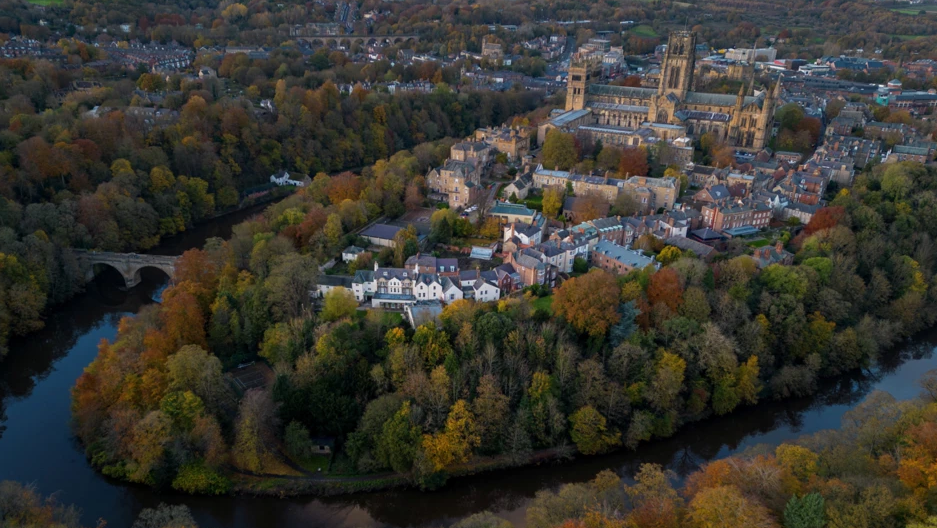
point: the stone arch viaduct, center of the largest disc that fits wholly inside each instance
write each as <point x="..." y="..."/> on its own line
<point x="349" y="40"/>
<point x="127" y="264"/>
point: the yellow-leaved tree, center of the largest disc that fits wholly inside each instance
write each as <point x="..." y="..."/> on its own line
<point x="454" y="444"/>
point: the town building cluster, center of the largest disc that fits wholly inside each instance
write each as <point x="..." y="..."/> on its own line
<point x="157" y="58"/>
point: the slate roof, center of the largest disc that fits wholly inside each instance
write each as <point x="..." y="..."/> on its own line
<point x="684" y="115"/>
<point x="719" y="99"/>
<point x="914" y="151"/>
<point x="470" y="146"/>
<point x="457" y="166"/>
<point x="335" y="280"/>
<point x="529" y="258"/>
<point x="481" y="283"/>
<point x="707" y="234"/>
<point x="640" y="109"/>
<point x="701" y="250"/>
<point x="382" y="231"/>
<point x="719" y="192"/>
<point x="395" y="273"/>
<point x="630" y="257"/>
<point x="528" y="230"/>
<point x="505" y="208"/>
<point x="610" y="223"/>
<point x="429" y="261"/>
<point x="621" y="91"/>
<point x="568" y="117"/>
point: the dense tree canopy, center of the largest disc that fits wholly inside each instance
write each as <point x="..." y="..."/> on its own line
<point x="667" y="347"/>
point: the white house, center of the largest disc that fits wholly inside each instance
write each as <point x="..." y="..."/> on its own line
<point x="327" y="283"/>
<point x="525" y="234"/>
<point x="396" y="288"/>
<point x="363" y="285"/>
<point x="431" y="286"/>
<point x="350" y="253"/>
<point x="560" y="254"/>
<point x="283" y="178"/>
<point x="486" y="291"/>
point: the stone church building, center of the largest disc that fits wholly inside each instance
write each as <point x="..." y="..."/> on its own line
<point x="743" y="121"/>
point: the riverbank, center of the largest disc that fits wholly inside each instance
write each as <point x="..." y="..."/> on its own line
<point x="36" y="443"/>
<point x="284" y="485"/>
<point x="291" y="485"/>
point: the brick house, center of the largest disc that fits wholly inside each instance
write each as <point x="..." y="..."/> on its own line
<point x="530" y="267"/>
<point x="729" y="215"/>
<point x="422" y="263"/>
<point x="776" y="254"/>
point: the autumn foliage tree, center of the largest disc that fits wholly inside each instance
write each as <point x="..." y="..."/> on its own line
<point x="589" y="431"/>
<point x="553" y="200"/>
<point x="560" y="150"/>
<point x="454" y="445"/>
<point x="585" y="304"/>
<point x="825" y="218"/>
<point x="664" y="288"/>
<point x="633" y="162"/>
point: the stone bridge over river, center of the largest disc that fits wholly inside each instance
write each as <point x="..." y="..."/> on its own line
<point x="364" y="40"/>
<point x="127" y="264"/>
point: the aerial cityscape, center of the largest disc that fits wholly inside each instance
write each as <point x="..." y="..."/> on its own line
<point x="409" y="263"/>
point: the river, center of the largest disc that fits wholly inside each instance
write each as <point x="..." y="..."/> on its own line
<point x="36" y="445"/>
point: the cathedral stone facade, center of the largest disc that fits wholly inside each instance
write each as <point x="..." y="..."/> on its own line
<point x="743" y="121"/>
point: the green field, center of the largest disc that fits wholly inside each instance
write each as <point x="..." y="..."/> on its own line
<point x="543" y="303"/>
<point x="761" y="242"/>
<point x="643" y="31"/>
<point x="535" y="202"/>
<point x="47" y="2"/>
<point x="914" y="10"/>
<point x="906" y="37"/>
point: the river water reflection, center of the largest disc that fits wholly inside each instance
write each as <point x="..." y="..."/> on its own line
<point x="36" y="445"/>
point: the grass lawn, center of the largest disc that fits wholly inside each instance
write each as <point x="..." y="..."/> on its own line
<point x="315" y="462"/>
<point x="643" y="30"/>
<point x="913" y="10"/>
<point x="46" y="2"/>
<point x="761" y="242"/>
<point x="544" y="303"/>
<point x="534" y="202"/>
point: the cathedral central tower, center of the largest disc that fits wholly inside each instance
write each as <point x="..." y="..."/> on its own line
<point x="676" y="75"/>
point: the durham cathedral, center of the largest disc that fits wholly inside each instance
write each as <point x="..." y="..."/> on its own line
<point x="743" y="121"/>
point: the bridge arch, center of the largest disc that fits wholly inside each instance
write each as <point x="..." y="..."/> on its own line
<point x="137" y="277"/>
<point x="128" y="265"/>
